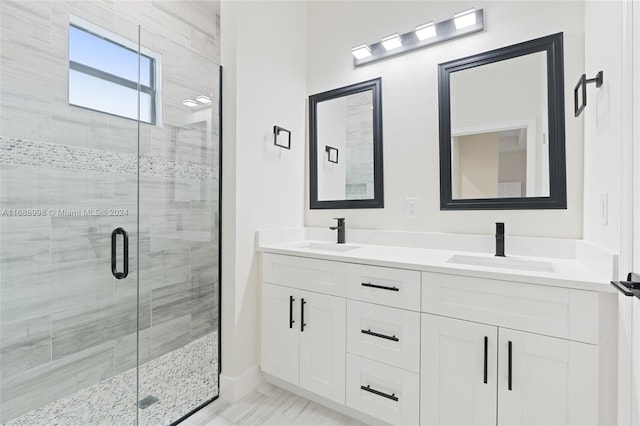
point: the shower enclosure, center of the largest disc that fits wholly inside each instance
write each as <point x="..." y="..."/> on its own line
<point x="109" y="211"/>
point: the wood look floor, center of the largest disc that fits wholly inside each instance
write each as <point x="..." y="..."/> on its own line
<point x="268" y="405"/>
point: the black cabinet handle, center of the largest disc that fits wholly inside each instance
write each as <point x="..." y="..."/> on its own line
<point x="291" y="321"/>
<point x="368" y="388"/>
<point x="380" y="286"/>
<point x="486" y="354"/>
<point x="114" y="268"/>
<point x="510" y="364"/>
<point x="302" y="324"/>
<point x="382" y="336"/>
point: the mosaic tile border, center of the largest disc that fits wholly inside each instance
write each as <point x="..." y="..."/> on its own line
<point x="30" y="153"/>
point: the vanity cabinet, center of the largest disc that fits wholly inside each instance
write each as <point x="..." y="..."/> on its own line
<point x="304" y="332"/>
<point x="303" y="339"/>
<point x="411" y="347"/>
<point x="360" y="344"/>
<point x="481" y="371"/>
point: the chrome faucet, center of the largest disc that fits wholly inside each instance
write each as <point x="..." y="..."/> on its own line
<point x="340" y="227"/>
<point x="500" y="239"/>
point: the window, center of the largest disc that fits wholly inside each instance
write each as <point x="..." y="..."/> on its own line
<point x="103" y="74"/>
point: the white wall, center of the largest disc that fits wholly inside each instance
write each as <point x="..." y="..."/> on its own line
<point x="603" y="160"/>
<point x="504" y="97"/>
<point x="602" y="121"/>
<point x="410" y="104"/>
<point x="264" y="59"/>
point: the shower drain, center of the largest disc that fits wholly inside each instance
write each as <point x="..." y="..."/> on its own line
<point x="147" y="401"/>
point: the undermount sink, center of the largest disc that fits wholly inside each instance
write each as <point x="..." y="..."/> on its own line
<point x="502" y="262"/>
<point x="329" y="247"/>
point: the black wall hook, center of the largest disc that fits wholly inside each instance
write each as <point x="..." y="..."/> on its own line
<point x="582" y="83"/>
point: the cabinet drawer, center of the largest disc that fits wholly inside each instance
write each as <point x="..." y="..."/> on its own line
<point x="321" y="276"/>
<point x="552" y="311"/>
<point x="387" y="335"/>
<point x="388" y="393"/>
<point x="399" y="288"/>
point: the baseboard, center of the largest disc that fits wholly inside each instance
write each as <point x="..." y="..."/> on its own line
<point x="340" y="408"/>
<point x="234" y="388"/>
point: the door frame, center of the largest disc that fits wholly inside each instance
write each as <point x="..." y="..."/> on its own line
<point x="628" y="355"/>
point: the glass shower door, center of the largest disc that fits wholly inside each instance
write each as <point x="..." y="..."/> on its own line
<point x="68" y="197"/>
<point x="179" y="232"/>
<point x="109" y="142"/>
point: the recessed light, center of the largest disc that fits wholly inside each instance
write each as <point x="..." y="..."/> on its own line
<point x="189" y="103"/>
<point x="392" y="42"/>
<point x="203" y="99"/>
<point x="361" y="52"/>
<point x="465" y="18"/>
<point x="426" y="31"/>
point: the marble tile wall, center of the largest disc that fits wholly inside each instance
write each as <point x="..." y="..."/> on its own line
<point x="65" y="322"/>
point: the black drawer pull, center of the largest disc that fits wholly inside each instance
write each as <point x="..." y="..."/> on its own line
<point x="302" y="323"/>
<point x="510" y="365"/>
<point x="291" y="321"/>
<point x="383" y="287"/>
<point x="392" y="397"/>
<point x="486" y="355"/>
<point x="382" y="336"/>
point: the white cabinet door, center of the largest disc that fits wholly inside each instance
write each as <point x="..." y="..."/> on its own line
<point x="281" y="332"/>
<point x="546" y="381"/>
<point x="323" y="345"/>
<point x="454" y="360"/>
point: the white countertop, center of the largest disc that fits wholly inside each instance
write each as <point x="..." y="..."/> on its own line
<point x="568" y="273"/>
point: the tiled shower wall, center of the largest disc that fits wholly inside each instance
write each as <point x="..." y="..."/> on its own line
<point x="65" y="322"/>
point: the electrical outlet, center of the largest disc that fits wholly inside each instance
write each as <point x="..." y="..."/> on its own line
<point x="411" y="207"/>
<point x="604" y="208"/>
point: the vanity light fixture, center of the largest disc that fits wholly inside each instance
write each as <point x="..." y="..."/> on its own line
<point x="203" y="99"/>
<point x="391" y="42"/>
<point x="426" y="31"/>
<point x="462" y="24"/>
<point x="361" y="52"/>
<point x="464" y="19"/>
<point x="189" y="102"/>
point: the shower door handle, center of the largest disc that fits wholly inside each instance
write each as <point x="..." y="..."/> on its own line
<point x="114" y="267"/>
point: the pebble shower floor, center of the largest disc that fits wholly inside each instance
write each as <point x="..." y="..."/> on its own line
<point x="181" y="380"/>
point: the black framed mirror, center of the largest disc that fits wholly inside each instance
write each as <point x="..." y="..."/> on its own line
<point x="345" y="147"/>
<point x="502" y="132"/>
